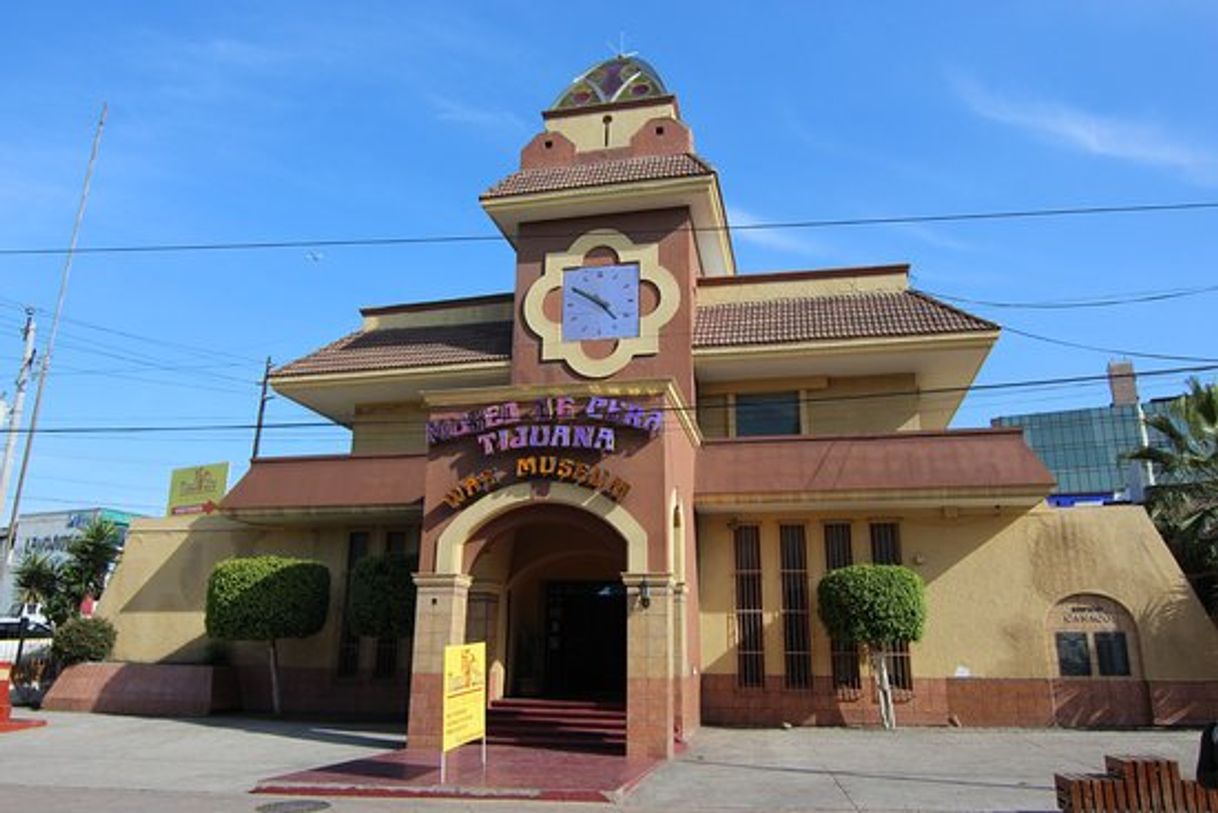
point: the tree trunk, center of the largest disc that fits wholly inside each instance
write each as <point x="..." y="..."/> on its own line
<point x="21" y="623"/>
<point x="879" y="668"/>
<point x="275" y="706"/>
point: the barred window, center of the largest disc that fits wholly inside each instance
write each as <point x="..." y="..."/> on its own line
<point x="900" y="669"/>
<point x="397" y="543"/>
<point x="796" y="618"/>
<point x="885" y="543"/>
<point x="348" y="644"/>
<point x="837" y="545"/>
<point x="845" y="662"/>
<point x="749" y="621"/>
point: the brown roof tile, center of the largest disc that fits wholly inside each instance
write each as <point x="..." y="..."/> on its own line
<point x="391" y="348"/>
<point x="328" y="481"/>
<point x="599" y="173"/>
<point x="846" y="316"/>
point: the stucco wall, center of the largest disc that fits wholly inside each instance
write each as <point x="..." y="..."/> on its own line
<point x="156" y="597"/>
<point x="991" y="581"/>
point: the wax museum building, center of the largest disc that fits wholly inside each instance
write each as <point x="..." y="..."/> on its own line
<point x="628" y="473"/>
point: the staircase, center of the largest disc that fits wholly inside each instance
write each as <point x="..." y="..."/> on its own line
<point x="561" y="725"/>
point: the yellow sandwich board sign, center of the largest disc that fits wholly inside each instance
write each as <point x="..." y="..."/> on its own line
<point x="464" y="694"/>
<point x="197" y="489"/>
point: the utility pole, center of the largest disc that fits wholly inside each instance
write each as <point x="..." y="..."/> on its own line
<point x="266" y="375"/>
<point x="14" y="417"/>
<point x="69" y="255"/>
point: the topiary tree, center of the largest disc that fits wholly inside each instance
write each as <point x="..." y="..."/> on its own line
<point x="874" y="605"/>
<point x="83" y="639"/>
<point x="383" y="596"/>
<point x="265" y="598"/>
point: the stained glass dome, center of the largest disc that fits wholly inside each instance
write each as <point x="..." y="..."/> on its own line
<point x="619" y="79"/>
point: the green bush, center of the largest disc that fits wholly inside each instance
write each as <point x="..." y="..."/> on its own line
<point x="383" y="596"/>
<point x="83" y="639"/>
<point x="261" y="598"/>
<point x="873" y="604"/>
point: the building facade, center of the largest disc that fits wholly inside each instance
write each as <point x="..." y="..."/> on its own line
<point x="1087" y="449"/>
<point x="628" y="473"/>
<point x="49" y="532"/>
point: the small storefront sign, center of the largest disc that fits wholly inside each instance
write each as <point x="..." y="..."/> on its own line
<point x="464" y="698"/>
<point x="197" y="489"/>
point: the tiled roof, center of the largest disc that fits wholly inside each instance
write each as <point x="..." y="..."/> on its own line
<point x="391" y="348"/>
<point x="846" y="316"/>
<point x="599" y="173"/>
<point x="849" y="316"/>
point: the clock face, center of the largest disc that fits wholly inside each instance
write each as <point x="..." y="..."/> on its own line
<point x="600" y="302"/>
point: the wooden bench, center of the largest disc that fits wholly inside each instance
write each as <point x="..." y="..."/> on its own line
<point x="1133" y="783"/>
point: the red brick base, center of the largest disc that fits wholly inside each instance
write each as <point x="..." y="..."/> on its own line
<point x="979" y="702"/>
<point x="175" y="690"/>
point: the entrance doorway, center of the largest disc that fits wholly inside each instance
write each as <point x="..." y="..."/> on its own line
<point x="585" y="649"/>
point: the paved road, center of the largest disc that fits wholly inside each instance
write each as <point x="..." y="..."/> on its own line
<point x="102" y="763"/>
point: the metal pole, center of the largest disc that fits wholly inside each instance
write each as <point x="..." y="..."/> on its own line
<point x="50" y="349"/>
<point x="266" y="374"/>
<point x="10" y="443"/>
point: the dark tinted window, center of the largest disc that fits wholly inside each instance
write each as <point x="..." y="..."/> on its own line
<point x="1073" y="654"/>
<point x="770" y="413"/>
<point x="1112" y="653"/>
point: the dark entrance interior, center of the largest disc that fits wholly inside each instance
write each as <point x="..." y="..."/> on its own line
<point x="585" y="640"/>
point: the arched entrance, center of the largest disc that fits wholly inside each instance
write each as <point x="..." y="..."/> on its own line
<point x="547" y="596"/>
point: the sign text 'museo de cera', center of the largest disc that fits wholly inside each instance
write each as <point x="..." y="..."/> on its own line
<point x="540" y="432"/>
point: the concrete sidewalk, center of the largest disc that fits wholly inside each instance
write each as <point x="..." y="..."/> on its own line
<point x="101" y="763"/>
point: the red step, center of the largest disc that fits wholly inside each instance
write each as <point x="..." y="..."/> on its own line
<point x="569" y="725"/>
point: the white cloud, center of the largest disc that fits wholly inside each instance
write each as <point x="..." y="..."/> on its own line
<point x="784" y="240"/>
<point x="1127" y="139"/>
<point x="457" y="112"/>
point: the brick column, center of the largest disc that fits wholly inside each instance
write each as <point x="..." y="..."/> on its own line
<point x="439" y="621"/>
<point x="649" y="666"/>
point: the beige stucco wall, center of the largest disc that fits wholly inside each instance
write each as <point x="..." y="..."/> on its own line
<point x="991" y="582"/>
<point x="398" y="428"/>
<point x="829" y="405"/>
<point x="157" y="595"/>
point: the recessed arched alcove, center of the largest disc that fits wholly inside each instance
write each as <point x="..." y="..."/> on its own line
<point x="547" y="597"/>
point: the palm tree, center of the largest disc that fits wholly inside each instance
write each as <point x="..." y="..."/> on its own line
<point x="1184" y="506"/>
<point x="91" y="556"/>
<point x="38" y="579"/>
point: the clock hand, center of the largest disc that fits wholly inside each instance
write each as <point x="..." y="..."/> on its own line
<point x="594" y="299"/>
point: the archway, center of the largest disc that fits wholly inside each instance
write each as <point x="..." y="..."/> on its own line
<point x="547" y="596"/>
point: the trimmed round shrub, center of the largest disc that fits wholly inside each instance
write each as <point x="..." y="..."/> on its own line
<point x="873" y="604"/>
<point x="83" y="639"/>
<point x="383" y="596"/>
<point x="261" y="598"/>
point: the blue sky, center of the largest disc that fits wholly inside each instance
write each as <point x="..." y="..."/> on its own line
<point x="286" y="120"/>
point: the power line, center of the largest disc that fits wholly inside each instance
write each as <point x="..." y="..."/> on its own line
<point x="1099" y="302"/>
<point x="1108" y="350"/>
<point x="1005" y="385"/>
<point x="380" y="242"/>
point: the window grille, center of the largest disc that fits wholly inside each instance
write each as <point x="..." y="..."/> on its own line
<point x="837" y="545"/>
<point x="749" y="620"/>
<point x="397" y="543"/>
<point x="900" y="671"/>
<point x="885" y="543"/>
<point x="847" y="681"/>
<point x="796" y="618"/>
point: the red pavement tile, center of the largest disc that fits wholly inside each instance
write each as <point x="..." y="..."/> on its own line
<point x="512" y="772"/>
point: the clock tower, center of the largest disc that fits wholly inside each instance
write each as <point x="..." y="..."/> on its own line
<point x="613" y="218"/>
